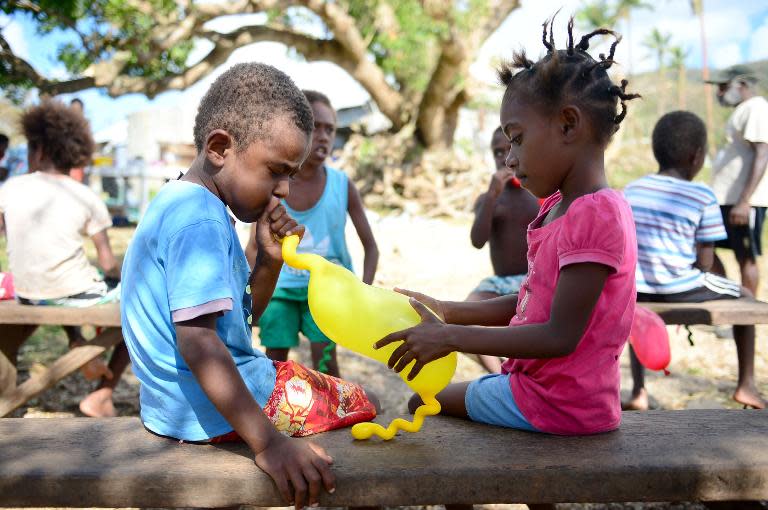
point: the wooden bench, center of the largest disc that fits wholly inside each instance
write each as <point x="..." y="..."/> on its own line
<point x="11" y="313"/>
<point x="724" y="312"/>
<point x="692" y="455"/>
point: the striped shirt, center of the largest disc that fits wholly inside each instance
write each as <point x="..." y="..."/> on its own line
<point x="671" y="216"/>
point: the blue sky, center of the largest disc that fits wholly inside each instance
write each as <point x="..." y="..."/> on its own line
<point x="737" y="32"/>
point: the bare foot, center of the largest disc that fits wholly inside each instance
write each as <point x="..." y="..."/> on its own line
<point x="749" y="396"/>
<point x="98" y="404"/>
<point x="638" y="402"/>
<point x="94" y="369"/>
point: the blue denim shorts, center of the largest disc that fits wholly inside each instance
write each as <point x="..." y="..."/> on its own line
<point x="489" y="400"/>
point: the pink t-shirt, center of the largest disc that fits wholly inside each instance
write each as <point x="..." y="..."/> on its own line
<point x="579" y="393"/>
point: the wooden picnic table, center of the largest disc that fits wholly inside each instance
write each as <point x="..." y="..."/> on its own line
<point x="15" y="314"/>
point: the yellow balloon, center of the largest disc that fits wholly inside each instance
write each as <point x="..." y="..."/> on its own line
<point x="355" y="316"/>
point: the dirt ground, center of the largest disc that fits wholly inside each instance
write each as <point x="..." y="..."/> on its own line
<point x="436" y="257"/>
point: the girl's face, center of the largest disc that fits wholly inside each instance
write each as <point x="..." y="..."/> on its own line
<point x="533" y="153"/>
<point x="260" y="174"/>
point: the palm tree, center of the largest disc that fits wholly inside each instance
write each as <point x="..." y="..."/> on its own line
<point x="658" y="43"/>
<point x="596" y="14"/>
<point x="677" y="55"/>
<point x="624" y="10"/>
<point x="697" y="6"/>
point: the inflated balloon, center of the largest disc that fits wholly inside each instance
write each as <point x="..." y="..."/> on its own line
<point x="355" y="316"/>
<point x="650" y="339"/>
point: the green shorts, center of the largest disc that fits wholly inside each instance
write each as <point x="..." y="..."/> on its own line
<point x="286" y="315"/>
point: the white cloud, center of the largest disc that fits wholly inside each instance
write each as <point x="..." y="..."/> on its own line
<point x="759" y="46"/>
<point x="14" y="34"/>
<point x="726" y="55"/>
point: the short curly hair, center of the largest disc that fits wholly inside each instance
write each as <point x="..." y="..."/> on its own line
<point x="570" y="75"/>
<point x="245" y="101"/>
<point x="63" y="134"/>
<point x="676" y="138"/>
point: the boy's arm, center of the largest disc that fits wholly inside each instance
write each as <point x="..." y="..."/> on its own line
<point x="364" y="232"/>
<point x="485" y="206"/>
<point x="578" y="289"/>
<point x="251" y="249"/>
<point x="705" y="256"/>
<point x="106" y="258"/>
<point x="274" y="224"/>
<point x="304" y="467"/>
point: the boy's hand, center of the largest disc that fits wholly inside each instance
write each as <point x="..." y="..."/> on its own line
<point x="424" y="343"/>
<point x="274" y="224"/>
<point x="299" y="469"/>
<point x="499" y="180"/>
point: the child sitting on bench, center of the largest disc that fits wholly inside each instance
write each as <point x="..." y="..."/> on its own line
<point x="188" y="301"/>
<point x="678" y="222"/>
<point x="46" y="213"/>
<point x="575" y="307"/>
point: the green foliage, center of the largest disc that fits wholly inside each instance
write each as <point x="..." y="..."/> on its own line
<point x="402" y="45"/>
<point x="101" y="28"/>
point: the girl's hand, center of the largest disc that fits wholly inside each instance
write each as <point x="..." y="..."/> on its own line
<point x="274" y="224"/>
<point x="300" y="470"/>
<point x="424" y="343"/>
<point x="435" y="305"/>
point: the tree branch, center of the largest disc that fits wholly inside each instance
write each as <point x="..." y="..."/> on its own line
<point x="357" y="64"/>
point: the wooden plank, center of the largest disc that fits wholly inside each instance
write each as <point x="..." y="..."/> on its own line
<point x="724" y="312"/>
<point x="101" y="315"/>
<point x="7" y="375"/>
<point x="62" y="367"/>
<point x="656" y="456"/>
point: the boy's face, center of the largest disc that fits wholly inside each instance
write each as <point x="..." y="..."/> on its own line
<point x="532" y="137"/>
<point x="251" y="179"/>
<point x="499" y="148"/>
<point x="323" y="135"/>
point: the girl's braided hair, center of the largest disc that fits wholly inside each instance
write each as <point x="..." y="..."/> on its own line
<point x="570" y="75"/>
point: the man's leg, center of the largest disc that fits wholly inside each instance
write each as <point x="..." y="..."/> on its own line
<point x="750" y="273"/>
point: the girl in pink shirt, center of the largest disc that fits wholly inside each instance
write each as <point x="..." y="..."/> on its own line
<point x="573" y="314"/>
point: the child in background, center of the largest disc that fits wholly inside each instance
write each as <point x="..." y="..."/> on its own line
<point x="678" y="222"/>
<point x="320" y="198"/>
<point x="46" y="214"/>
<point x="575" y="307"/>
<point x="188" y="300"/>
<point x="502" y="215"/>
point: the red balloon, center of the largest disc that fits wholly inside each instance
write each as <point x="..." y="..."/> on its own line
<point x="649" y="339"/>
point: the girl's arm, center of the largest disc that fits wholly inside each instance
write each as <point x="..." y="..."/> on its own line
<point x="578" y="289"/>
<point x="489" y="312"/>
<point x="107" y="261"/>
<point x="364" y="232"/>
<point x="303" y="466"/>
<point x="485" y="206"/>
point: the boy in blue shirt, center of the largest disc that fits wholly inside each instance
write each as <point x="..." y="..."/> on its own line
<point x="678" y="222"/>
<point x="188" y="300"/>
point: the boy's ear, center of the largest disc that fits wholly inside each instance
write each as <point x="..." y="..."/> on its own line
<point x="217" y="144"/>
<point x="570" y="122"/>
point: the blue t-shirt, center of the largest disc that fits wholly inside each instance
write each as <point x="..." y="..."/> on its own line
<point x="671" y="216"/>
<point x="324" y="234"/>
<point x="185" y="253"/>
